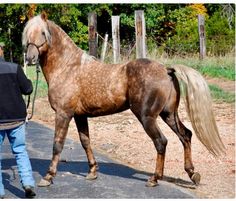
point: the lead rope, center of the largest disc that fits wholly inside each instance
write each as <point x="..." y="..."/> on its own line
<point x="35" y="92"/>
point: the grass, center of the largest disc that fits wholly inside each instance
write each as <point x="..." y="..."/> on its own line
<point x="220" y="95"/>
<point x="220" y="67"/>
<point x="42" y="90"/>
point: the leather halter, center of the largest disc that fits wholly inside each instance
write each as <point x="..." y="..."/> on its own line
<point x="37" y="46"/>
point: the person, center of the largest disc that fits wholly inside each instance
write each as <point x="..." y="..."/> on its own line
<point x="14" y="83"/>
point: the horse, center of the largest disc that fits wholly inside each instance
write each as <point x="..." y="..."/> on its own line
<point x="82" y="87"/>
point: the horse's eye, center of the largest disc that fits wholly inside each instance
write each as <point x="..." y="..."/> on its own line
<point x="43" y="33"/>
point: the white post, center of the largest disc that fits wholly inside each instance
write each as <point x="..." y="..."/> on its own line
<point x="115" y="23"/>
<point x="104" y="47"/>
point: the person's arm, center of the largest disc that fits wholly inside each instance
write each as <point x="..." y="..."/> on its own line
<point x="25" y="84"/>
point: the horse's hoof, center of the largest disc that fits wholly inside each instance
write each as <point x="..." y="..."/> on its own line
<point x="91" y="176"/>
<point x="151" y="183"/>
<point x="44" y="183"/>
<point x="196" y="177"/>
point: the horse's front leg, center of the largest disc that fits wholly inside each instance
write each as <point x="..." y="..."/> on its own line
<point x="82" y="126"/>
<point x="61" y="127"/>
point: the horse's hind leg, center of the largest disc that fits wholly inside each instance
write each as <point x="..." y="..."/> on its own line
<point x="82" y="126"/>
<point x="148" y="120"/>
<point x="185" y="135"/>
<point x="61" y="127"/>
<point x="160" y="142"/>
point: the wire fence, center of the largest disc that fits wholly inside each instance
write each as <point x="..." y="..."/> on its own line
<point x="156" y="49"/>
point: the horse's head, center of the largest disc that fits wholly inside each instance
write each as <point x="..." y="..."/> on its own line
<point x="36" y="38"/>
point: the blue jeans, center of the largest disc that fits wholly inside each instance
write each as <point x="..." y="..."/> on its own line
<point x="16" y="137"/>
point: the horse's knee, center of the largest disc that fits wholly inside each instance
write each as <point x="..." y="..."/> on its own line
<point x="57" y="148"/>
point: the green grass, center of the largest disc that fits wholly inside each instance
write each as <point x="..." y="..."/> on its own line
<point x="220" y="95"/>
<point x="217" y="72"/>
<point x="42" y="90"/>
<point x="221" y="67"/>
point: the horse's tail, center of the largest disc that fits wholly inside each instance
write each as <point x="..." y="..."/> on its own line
<point x="199" y="107"/>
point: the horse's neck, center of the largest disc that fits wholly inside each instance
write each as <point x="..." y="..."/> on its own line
<point x="61" y="53"/>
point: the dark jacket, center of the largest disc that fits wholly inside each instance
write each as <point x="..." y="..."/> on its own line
<point x="13" y="83"/>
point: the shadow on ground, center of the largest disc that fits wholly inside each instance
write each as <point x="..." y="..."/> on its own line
<point x="114" y="180"/>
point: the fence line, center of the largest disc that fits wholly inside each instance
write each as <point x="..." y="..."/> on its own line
<point x="140" y="44"/>
<point x="127" y="56"/>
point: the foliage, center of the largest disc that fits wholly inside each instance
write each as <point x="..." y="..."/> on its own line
<point x="220" y="37"/>
<point x="67" y="16"/>
<point x="220" y="33"/>
<point x="11" y="29"/>
<point x="186" y="37"/>
<point x="172" y="28"/>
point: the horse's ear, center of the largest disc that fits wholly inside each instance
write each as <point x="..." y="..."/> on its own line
<point x="44" y="16"/>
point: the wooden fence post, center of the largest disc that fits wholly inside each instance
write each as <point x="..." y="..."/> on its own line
<point x="140" y="30"/>
<point x="202" y="37"/>
<point x="115" y="25"/>
<point x="104" y="48"/>
<point x="92" y="31"/>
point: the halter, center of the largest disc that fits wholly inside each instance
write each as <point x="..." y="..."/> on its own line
<point x="37" y="46"/>
<point x="37" y="76"/>
<point x="37" y="79"/>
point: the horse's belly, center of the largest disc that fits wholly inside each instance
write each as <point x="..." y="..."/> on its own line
<point x="98" y="107"/>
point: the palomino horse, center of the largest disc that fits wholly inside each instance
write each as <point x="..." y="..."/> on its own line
<point x="80" y="87"/>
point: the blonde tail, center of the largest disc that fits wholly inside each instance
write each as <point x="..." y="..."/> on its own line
<point x="199" y="107"/>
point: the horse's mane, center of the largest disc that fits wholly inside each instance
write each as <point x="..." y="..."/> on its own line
<point x="32" y="23"/>
<point x="65" y="36"/>
<point x="38" y="21"/>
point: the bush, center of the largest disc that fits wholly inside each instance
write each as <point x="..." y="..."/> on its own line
<point x="185" y="39"/>
<point x="220" y="38"/>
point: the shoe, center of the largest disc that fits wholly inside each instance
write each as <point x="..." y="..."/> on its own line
<point x="29" y="192"/>
<point x="2" y="196"/>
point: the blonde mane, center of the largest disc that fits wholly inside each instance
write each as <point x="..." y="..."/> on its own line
<point x="31" y="24"/>
<point x="45" y="26"/>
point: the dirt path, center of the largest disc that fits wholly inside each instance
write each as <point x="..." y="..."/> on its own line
<point x="121" y="137"/>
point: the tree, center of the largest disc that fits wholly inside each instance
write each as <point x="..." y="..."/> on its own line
<point x="10" y="18"/>
<point x="171" y="26"/>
